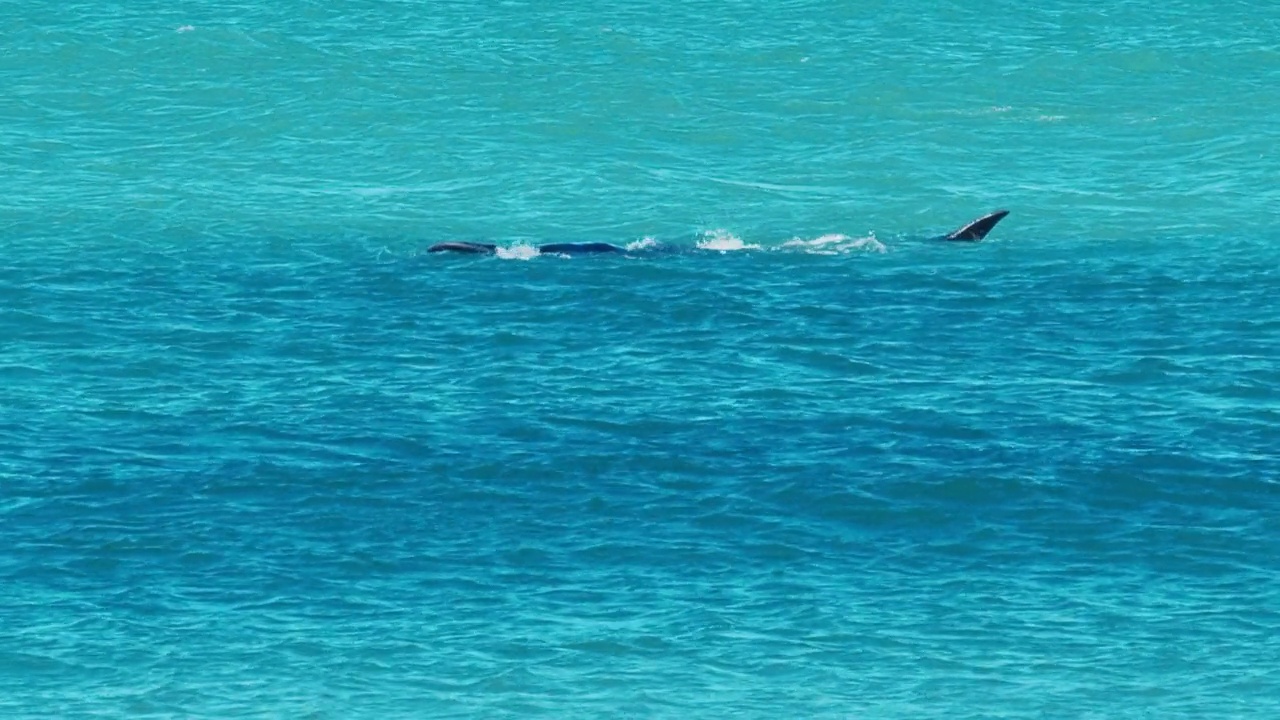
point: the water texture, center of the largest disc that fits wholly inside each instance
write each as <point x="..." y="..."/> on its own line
<point x="263" y="456"/>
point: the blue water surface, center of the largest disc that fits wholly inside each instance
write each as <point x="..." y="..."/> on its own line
<point x="263" y="456"/>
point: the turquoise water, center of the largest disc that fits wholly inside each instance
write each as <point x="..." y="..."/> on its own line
<point x="262" y="456"/>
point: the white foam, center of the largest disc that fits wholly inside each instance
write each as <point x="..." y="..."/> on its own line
<point x="724" y="241"/>
<point x="643" y="244"/>
<point x="517" y="252"/>
<point x="186" y="28"/>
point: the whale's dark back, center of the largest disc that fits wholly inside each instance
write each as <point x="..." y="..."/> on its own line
<point x="574" y="248"/>
<point x="463" y="247"/>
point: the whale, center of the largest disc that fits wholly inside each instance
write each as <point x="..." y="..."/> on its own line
<point x="969" y="232"/>
<point x="582" y="248"/>
<point x="464" y="247"/>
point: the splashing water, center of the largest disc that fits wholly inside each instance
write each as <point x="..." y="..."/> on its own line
<point x="724" y="241"/>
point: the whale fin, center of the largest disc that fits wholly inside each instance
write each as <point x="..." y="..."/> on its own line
<point x="463" y="247"/>
<point x="979" y="228"/>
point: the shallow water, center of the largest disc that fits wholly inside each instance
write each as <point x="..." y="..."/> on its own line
<point x="262" y="456"/>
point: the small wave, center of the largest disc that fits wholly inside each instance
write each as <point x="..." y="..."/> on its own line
<point x="835" y="244"/>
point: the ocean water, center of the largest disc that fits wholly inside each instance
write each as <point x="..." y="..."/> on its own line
<point x="263" y="456"/>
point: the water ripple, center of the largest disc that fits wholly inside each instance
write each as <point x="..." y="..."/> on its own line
<point x="262" y="455"/>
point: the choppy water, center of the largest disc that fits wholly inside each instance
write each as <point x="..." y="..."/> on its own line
<point x="261" y="456"/>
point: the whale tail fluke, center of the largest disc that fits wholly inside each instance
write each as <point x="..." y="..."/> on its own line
<point x="979" y="228"/>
